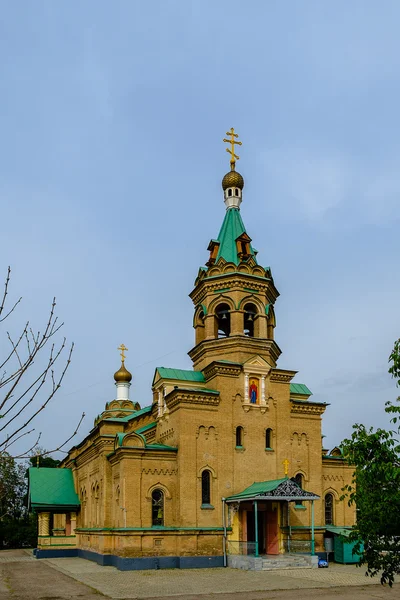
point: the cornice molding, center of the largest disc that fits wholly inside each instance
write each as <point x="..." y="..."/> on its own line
<point x="307" y="407"/>
<point x="282" y="375"/>
<point x="190" y="398"/>
<point x="222" y="369"/>
<point x="257" y="346"/>
<point x="235" y="281"/>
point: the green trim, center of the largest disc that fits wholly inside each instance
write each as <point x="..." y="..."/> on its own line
<point x="161" y="447"/>
<point x="196" y="390"/>
<point x="251" y="291"/>
<point x="152" y="529"/>
<point x="267" y="306"/>
<point x="146" y="427"/>
<point x="61" y="537"/>
<point x="299" y="507"/>
<point x="55" y="546"/>
<point x="309" y="402"/>
<point x="207" y="507"/>
<point x="222" y="291"/>
<point x="239" y="273"/>
<point x="135" y="415"/>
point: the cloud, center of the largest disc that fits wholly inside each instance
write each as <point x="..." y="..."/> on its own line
<point x="327" y="189"/>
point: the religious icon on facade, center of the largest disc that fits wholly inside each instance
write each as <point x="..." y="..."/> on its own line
<point x="253" y="390"/>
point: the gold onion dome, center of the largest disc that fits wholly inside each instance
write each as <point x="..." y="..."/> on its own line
<point x="123" y="375"/>
<point x="233" y="179"/>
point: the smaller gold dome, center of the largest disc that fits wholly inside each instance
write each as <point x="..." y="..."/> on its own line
<point x="232" y="179"/>
<point x="122" y="375"/>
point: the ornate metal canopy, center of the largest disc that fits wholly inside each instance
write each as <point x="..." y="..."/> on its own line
<point x="285" y="489"/>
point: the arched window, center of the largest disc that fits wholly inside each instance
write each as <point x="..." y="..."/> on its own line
<point x="268" y="438"/>
<point x="236" y="192"/>
<point x="329" y="509"/>
<point x="206" y="487"/>
<point x="239" y="436"/>
<point x="223" y="320"/>
<point x="299" y="479"/>
<point x="229" y="192"/>
<point x="250" y="311"/>
<point x="157" y="508"/>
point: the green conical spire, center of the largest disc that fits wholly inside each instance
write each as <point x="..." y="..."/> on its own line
<point x="232" y="228"/>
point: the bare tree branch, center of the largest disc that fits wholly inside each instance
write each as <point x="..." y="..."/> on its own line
<point x="24" y="376"/>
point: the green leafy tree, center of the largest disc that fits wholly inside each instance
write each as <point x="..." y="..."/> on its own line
<point x="375" y="489"/>
<point x="17" y="527"/>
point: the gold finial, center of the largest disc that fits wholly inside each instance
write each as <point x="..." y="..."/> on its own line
<point x="232" y="142"/>
<point x="286" y="466"/>
<point x="122" y="348"/>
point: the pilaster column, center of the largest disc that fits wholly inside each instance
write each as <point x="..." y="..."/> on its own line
<point x="261" y="326"/>
<point x="73" y="523"/>
<point x="44" y="523"/>
<point x="237" y="323"/>
<point x="262" y="389"/>
<point x="160" y="403"/>
<point x="210" y="327"/>
<point x="246" y="387"/>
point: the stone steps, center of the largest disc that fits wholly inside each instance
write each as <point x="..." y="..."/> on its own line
<point x="286" y="562"/>
<point x="270" y="563"/>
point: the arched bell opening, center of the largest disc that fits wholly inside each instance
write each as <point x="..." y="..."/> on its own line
<point x="249" y="320"/>
<point x="223" y="320"/>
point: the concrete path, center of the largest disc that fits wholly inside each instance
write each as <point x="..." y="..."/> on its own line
<point x="22" y="577"/>
<point x="205" y="583"/>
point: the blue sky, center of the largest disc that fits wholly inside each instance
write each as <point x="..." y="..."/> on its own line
<point x="112" y="117"/>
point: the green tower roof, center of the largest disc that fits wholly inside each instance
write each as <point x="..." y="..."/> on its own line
<point x="232" y="228"/>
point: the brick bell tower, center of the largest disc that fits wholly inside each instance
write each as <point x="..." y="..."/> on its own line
<point x="234" y="296"/>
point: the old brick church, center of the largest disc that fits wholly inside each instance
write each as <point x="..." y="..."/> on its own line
<point x="227" y="461"/>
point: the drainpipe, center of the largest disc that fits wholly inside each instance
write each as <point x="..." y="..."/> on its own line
<point x="256" y="525"/>
<point x="312" y="529"/>
<point x="224" y="526"/>
<point x="289" y="528"/>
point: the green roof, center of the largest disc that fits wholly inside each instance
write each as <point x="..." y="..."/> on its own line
<point x="258" y="487"/>
<point x="232" y="228"/>
<point x="52" y="488"/>
<point x="300" y="388"/>
<point x="180" y="374"/>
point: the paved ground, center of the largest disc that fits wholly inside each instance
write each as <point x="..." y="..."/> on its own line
<point x="25" y="578"/>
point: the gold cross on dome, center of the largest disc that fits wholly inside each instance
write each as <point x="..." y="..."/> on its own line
<point x="286" y="466"/>
<point x="232" y="142"/>
<point x="122" y="348"/>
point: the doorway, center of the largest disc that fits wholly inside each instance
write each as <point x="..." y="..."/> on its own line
<point x="251" y="534"/>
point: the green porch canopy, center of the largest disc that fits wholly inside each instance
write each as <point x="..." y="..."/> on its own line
<point x="52" y="489"/>
<point x="275" y="489"/>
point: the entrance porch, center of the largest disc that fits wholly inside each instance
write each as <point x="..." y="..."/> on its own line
<point x="260" y="521"/>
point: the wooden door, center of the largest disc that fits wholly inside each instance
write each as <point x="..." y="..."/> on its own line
<point x="272" y="532"/>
